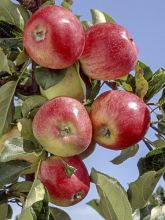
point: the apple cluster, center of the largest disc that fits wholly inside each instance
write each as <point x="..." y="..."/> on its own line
<point x="54" y="38"/>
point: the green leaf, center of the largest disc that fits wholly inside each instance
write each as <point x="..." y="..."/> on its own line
<point x="113" y="198"/>
<point x="27" y="214"/>
<point x="21" y="187"/>
<point x="4" y="65"/>
<point x="158" y="143"/>
<point x="154" y="160"/>
<point x="86" y="25"/>
<point x="25" y="128"/>
<point x="3" y="197"/>
<point x="140" y="191"/>
<point x="63" y="83"/>
<point x="41" y="208"/>
<point x="156" y="83"/>
<point x="31" y="103"/>
<point x="17" y="112"/>
<point x="127" y="87"/>
<point x="8" y="30"/>
<point x="47" y="78"/>
<point x="58" y="214"/>
<point x="3" y="211"/>
<point x="6" y="102"/>
<point x="96" y="85"/>
<point x="48" y="2"/>
<point x="21" y="58"/>
<point x="7" y="44"/>
<point x="108" y="18"/>
<point x="67" y="3"/>
<point x="125" y="154"/>
<point x="13" y="133"/>
<point x="100" y="17"/>
<point x="9" y="212"/>
<point x="95" y="204"/>
<point x="10" y="171"/>
<point x="36" y="194"/>
<point x="13" y="13"/>
<point x="146" y="70"/>
<point x="19" y="149"/>
<point x="140" y="82"/>
<point x="97" y="16"/>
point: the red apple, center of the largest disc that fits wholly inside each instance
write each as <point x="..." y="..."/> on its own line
<point x="66" y="179"/>
<point x="109" y="52"/>
<point x="53" y="37"/>
<point x="120" y="119"/>
<point x="90" y="149"/>
<point x="63" y="127"/>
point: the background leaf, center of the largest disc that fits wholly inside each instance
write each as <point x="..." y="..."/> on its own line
<point x="95" y="204"/>
<point x="32" y="103"/>
<point x="10" y="171"/>
<point x="4" y="66"/>
<point x="125" y="154"/>
<point x="13" y="13"/>
<point x="154" y="160"/>
<point x="36" y="194"/>
<point x="6" y="105"/>
<point x="100" y="17"/>
<point x="27" y="214"/>
<point x="156" y="83"/>
<point x="58" y="214"/>
<point x="113" y="198"/>
<point x="141" y="82"/>
<point x="3" y="211"/>
<point x="20" y="149"/>
<point x="140" y="191"/>
<point x="47" y="77"/>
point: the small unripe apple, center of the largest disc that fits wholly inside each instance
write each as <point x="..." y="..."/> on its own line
<point x="63" y="127"/>
<point x="66" y="179"/>
<point x="71" y="85"/>
<point x="119" y="118"/>
<point x="53" y="37"/>
<point x="109" y="52"/>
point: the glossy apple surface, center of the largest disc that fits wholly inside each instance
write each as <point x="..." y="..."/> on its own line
<point x="119" y="118"/>
<point x="71" y="85"/>
<point x="109" y="52"/>
<point x="53" y="37"/>
<point x="66" y="186"/>
<point x="63" y="127"/>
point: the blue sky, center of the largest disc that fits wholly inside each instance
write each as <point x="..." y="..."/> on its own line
<point x="145" y="21"/>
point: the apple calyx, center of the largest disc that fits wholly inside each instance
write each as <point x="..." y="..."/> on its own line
<point x="70" y="170"/>
<point x="78" y="196"/>
<point x="39" y="34"/>
<point x="65" y="131"/>
<point x="105" y="132"/>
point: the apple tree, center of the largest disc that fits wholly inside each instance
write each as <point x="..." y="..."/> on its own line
<point x="53" y="112"/>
